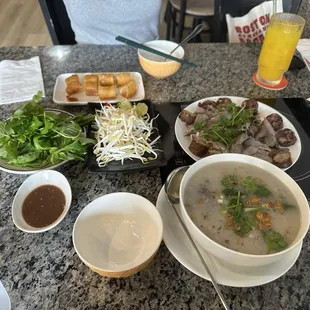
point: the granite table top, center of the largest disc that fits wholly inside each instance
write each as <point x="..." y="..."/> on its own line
<point x="42" y="271"/>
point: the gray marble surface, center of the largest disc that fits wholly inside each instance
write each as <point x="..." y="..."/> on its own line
<point x="42" y="271"/>
<point x="223" y="69"/>
<point x="304" y="11"/>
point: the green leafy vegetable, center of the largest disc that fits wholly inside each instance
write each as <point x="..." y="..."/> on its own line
<point x="83" y="119"/>
<point x="230" y="181"/>
<point x="262" y="191"/>
<point x="34" y="137"/>
<point x="199" y="125"/>
<point x="230" y="192"/>
<point x="235" y="205"/>
<point x="287" y="206"/>
<point x="242" y="217"/>
<point x="249" y="184"/>
<point x="4" y="131"/>
<point x="237" y="192"/>
<point x="243" y="224"/>
<point x="274" y="240"/>
<point x="228" y="128"/>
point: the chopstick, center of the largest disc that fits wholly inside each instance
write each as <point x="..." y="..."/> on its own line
<point x="153" y="51"/>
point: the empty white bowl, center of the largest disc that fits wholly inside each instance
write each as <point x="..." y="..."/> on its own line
<point x="155" y="65"/>
<point x="118" y="234"/>
<point x="45" y="177"/>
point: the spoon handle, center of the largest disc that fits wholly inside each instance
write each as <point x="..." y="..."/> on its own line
<point x="217" y="288"/>
<point x="193" y="34"/>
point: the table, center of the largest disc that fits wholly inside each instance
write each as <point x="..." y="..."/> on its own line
<point x="42" y="271"/>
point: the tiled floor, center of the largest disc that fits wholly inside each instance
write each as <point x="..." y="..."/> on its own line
<point x="22" y="24"/>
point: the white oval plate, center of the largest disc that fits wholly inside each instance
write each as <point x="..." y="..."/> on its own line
<point x="180" y="247"/>
<point x="4" y="166"/>
<point x="263" y="110"/>
<point x="60" y="95"/>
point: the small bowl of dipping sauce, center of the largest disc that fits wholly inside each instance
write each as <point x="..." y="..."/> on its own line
<point x="41" y="202"/>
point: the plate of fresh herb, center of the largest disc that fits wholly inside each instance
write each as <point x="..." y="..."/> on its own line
<point x="34" y="138"/>
<point x="216" y="125"/>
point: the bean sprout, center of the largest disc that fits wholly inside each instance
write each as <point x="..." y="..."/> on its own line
<point x="122" y="134"/>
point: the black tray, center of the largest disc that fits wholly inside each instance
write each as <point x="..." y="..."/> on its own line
<point x="129" y="165"/>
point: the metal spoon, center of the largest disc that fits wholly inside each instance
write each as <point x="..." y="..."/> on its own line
<point x="193" y="34"/>
<point x="172" y="189"/>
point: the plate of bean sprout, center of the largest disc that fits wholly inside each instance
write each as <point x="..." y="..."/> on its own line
<point x="127" y="137"/>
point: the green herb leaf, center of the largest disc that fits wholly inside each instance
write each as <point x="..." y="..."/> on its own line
<point x="4" y="133"/>
<point x="220" y="107"/>
<point x="48" y="124"/>
<point x="274" y="240"/>
<point x="32" y="107"/>
<point x="25" y="158"/>
<point x="230" y="181"/>
<point x="84" y="140"/>
<point x="228" y="127"/>
<point x="199" y="125"/>
<point x="83" y="120"/>
<point x="287" y="206"/>
<point x="41" y="143"/>
<point x="11" y="148"/>
<point x="249" y="184"/>
<point x="230" y="192"/>
<point x="236" y="210"/>
<point x="70" y="130"/>
<point x="243" y="224"/>
<point x="233" y="205"/>
<point x="262" y="191"/>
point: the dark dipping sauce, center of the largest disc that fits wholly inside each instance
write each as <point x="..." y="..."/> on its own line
<point x="43" y="206"/>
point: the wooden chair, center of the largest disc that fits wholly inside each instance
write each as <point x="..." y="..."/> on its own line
<point x="239" y="8"/>
<point x="58" y="22"/>
<point x="199" y="9"/>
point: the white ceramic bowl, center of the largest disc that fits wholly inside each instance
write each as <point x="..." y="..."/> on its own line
<point x="118" y="234"/>
<point x="154" y="64"/>
<point x="224" y="253"/>
<point x="45" y="177"/>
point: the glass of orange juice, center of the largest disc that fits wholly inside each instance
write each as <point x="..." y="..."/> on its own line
<point x="279" y="45"/>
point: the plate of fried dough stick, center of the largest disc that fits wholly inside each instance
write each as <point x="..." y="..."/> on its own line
<point x="81" y="88"/>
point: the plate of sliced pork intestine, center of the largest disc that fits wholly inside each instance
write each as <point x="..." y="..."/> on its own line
<point x="217" y="125"/>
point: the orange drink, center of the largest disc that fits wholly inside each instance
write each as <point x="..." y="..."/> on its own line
<point x="279" y="45"/>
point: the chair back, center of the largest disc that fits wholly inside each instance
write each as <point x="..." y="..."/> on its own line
<point x="58" y="22"/>
<point x="238" y="8"/>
